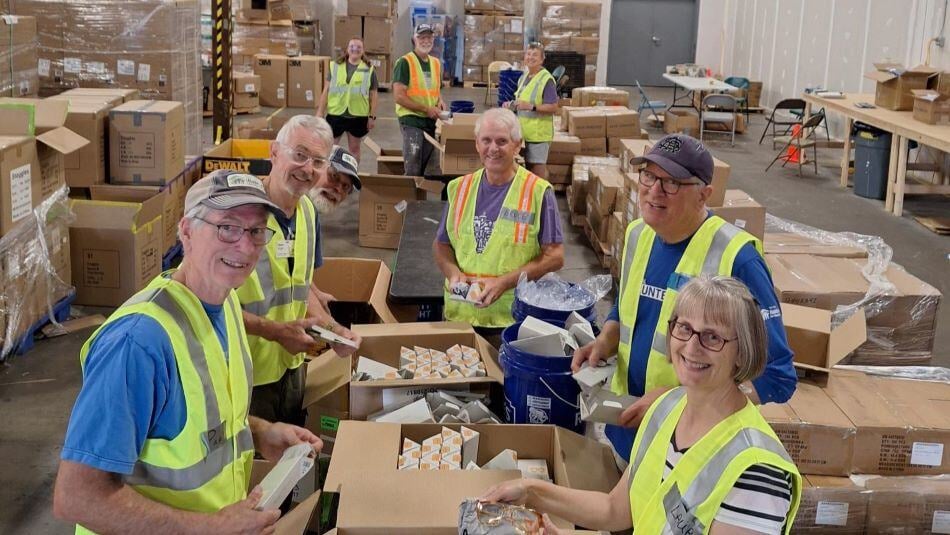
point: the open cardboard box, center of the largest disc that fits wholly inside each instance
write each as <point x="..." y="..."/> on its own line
<point x="301" y="515"/>
<point x="460" y="163"/>
<point x="383" y="200"/>
<point x="375" y="497"/>
<point x="388" y="161"/>
<point x="895" y="83"/>
<point x="457" y="135"/>
<point x="818" y="345"/>
<point x="326" y="396"/>
<point x="382" y="342"/>
<point x="360" y="286"/>
<point x="242" y="155"/>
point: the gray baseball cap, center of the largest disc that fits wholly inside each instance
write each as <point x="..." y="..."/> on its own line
<point x="223" y="190"/>
<point x="423" y="28"/>
<point x="343" y="162"/>
<point x="683" y="157"/>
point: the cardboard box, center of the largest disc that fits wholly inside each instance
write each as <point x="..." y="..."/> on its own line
<point x="173" y="208"/>
<point x="622" y="123"/>
<point x="791" y="243"/>
<point x="818" y="436"/>
<point x="903" y="427"/>
<point x="907" y="505"/>
<point x="246" y="82"/>
<point x="818" y="344"/>
<point x="586" y="123"/>
<point x="604" y="187"/>
<point x="457" y="135"/>
<point x="126" y="94"/>
<point x="360" y="286"/>
<point x="931" y="107"/>
<point x="375" y="497"/>
<point x="832" y="504"/>
<point x="370" y="8"/>
<point x="563" y="149"/>
<point x="378" y="35"/>
<point x="895" y="83"/>
<point x="742" y="211"/>
<point x="600" y="96"/>
<point x="382" y="342"/>
<point x="33" y="142"/>
<point x="116" y="243"/>
<point x="88" y="118"/>
<point x="346" y="27"/>
<point x="559" y="174"/>
<point x="305" y="77"/>
<point x="146" y="142"/>
<point x="273" y="72"/>
<point x="388" y="161"/>
<point x="384" y="71"/>
<point x="455" y="163"/>
<point x="680" y="120"/>
<point x="594" y="146"/>
<point x="598" y="222"/>
<point x="382" y="203"/>
<point x="244" y="155"/>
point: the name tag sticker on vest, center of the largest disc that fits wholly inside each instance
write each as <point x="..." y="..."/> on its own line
<point x="831" y="514"/>
<point x="214" y="438"/>
<point x="941" y="522"/>
<point x="285" y="248"/>
<point x="927" y="454"/>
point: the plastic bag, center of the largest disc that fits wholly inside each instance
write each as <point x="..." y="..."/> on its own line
<point x="480" y="518"/>
<point x="554" y="293"/>
<point x="919" y="373"/>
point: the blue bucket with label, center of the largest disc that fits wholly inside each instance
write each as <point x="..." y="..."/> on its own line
<point x="521" y="309"/>
<point x="538" y="389"/>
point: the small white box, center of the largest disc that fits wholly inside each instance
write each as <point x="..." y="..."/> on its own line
<point x="279" y="482"/>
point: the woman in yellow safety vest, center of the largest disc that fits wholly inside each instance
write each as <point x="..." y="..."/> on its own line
<point x="705" y="461"/>
<point x="536" y="103"/>
<point x="349" y="96"/>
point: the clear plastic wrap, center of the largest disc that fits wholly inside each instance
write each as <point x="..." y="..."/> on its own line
<point x="554" y="293"/>
<point x="917" y="373"/>
<point x="35" y="269"/>
<point x="473" y="73"/>
<point x="478" y="51"/>
<point x="479" y="5"/>
<point x="901" y="310"/>
<point x="18" y="57"/>
<point x="150" y="45"/>
<point x="251" y="39"/>
<point x="509" y="6"/>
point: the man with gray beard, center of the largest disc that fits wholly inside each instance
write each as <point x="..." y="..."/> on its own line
<point x="280" y="300"/>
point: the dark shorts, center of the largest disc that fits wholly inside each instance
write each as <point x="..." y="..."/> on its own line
<point x="355" y="126"/>
<point x="281" y="401"/>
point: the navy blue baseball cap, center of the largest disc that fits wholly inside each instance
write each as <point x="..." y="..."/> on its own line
<point x="683" y="157"/>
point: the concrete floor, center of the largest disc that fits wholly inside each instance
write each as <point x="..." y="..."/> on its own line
<point x="37" y="390"/>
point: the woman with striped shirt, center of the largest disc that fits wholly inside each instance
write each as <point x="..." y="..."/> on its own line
<point x="704" y="461"/>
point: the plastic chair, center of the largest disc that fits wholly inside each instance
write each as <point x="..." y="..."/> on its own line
<point x="743" y="84"/>
<point x="654" y="105"/>
<point x="493" y="69"/>
<point x="804" y="139"/>
<point x="789" y="104"/>
<point x="729" y="106"/>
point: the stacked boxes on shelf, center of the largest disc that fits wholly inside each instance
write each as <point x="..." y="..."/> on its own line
<point x="494" y="31"/>
<point x="373" y="21"/>
<point x="572" y="25"/>
<point x="294" y="82"/>
<point x="18" y="59"/>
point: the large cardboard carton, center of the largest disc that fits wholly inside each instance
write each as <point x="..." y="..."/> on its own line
<point x="594" y="146"/>
<point x="742" y="211"/>
<point x="375" y="497"/>
<point x="382" y="342"/>
<point x="792" y="243"/>
<point x="895" y="83"/>
<point x="903" y="427"/>
<point x="604" y="187"/>
<point x="370" y="8"/>
<point x="457" y="135"/>
<point x="817" y="343"/>
<point x="346" y="27"/>
<point x="116" y="243"/>
<point x="383" y="200"/>
<point x="563" y="149"/>
<point x="587" y="123"/>
<point x="388" y="161"/>
<point x="146" y="142"/>
<point x="273" y="72"/>
<point x="360" y="286"/>
<point x="815" y="432"/>
<point x="33" y="142"/>
<point x="600" y="96"/>
<point x="327" y="397"/>
<point x="305" y="77"/>
<point x="679" y="120"/>
<point x="173" y="208"/>
<point x="126" y="94"/>
<point x="90" y="119"/>
<point x="378" y="34"/>
<point x="243" y="155"/>
<point x="832" y="505"/>
<point x="247" y="87"/>
<point x="931" y="107"/>
<point x="383" y="66"/>
<point x="908" y="505"/>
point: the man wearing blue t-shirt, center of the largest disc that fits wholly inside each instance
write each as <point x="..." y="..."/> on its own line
<point x="160" y="440"/>
<point x="677" y="238"/>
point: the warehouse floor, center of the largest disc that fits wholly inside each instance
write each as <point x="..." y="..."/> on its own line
<point x="37" y="390"/>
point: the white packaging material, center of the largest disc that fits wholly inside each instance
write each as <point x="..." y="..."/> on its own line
<point x="580" y="329"/>
<point x="547" y="345"/>
<point x="279" y="482"/>
<point x="375" y="370"/>
<point x="534" y="469"/>
<point x="470" y="439"/>
<point x="416" y="412"/>
<point x="330" y="336"/>
<point x="506" y="460"/>
<point x="602" y="405"/>
<point x="590" y="377"/>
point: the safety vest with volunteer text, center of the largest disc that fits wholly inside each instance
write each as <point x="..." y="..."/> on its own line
<point x="536" y="127"/>
<point x="512" y="244"/>
<point x="207" y="466"/>
<point x="687" y="501"/>
<point x="712" y="250"/>
<point x="274" y="293"/>
<point x="422" y="90"/>
<point x="352" y="97"/>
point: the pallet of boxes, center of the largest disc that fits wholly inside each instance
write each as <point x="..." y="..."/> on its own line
<point x="573" y="26"/>
<point x="374" y="21"/>
<point x="494" y="30"/>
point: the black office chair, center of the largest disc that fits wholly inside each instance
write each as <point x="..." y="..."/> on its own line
<point x="789" y="104"/>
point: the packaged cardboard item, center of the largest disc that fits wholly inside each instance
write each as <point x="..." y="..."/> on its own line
<point x="388" y="161"/>
<point x="273" y="72"/>
<point x="563" y="149"/>
<point x="587" y="123"/>
<point x="817" y="435"/>
<point x="931" y="107"/>
<point x="792" y="243"/>
<point x="604" y="186"/>
<point x="173" y="208"/>
<point x="742" y="211"/>
<point x="360" y="286"/>
<point x="33" y="142"/>
<point x="88" y="118"/>
<point x="908" y="504"/>
<point x="832" y="504"/>
<point x="622" y="123"/>
<point x="246" y="96"/>
<point x="116" y="243"/>
<point x="815" y="341"/>
<point x="378" y="34"/>
<point x="681" y="120"/>
<point x="370" y="8"/>
<point x="594" y="146"/>
<point x="327" y="397"/>
<point x="126" y="94"/>
<point x="243" y="155"/>
<point x="383" y="200"/>
<point x="146" y="142"/>
<point x="305" y="77"/>
<point x="345" y="27"/>
<point x="895" y="83"/>
<point x="600" y="96"/>
<point x="375" y="496"/>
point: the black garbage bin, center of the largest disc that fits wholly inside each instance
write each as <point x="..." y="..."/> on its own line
<point x="872" y="153"/>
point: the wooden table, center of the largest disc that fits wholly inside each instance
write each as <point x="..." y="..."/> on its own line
<point x="417" y="279"/>
<point x="903" y="128"/>
<point x="692" y="84"/>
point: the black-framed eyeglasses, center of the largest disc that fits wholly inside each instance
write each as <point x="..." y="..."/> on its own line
<point x="668" y="185"/>
<point x="708" y="339"/>
<point x="233" y="233"/>
<point x="301" y="157"/>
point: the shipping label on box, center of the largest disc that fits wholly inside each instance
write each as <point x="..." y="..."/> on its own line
<point x="273" y="72"/>
<point x="305" y="78"/>
<point x="146" y="142"/>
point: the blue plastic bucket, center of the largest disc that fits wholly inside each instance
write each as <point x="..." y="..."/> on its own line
<point x="507" y="85"/>
<point x="521" y="309"/>
<point x="538" y="389"/>
<point x="462" y="106"/>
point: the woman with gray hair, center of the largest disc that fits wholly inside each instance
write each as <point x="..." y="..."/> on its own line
<point x="535" y="103"/>
<point x="705" y="460"/>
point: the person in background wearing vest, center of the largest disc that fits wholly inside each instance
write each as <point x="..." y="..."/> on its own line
<point x="675" y="239"/>
<point x="279" y="299"/>
<point x="500" y="221"/>
<point x="536" y="103"/>
<point x="160" y="440"/>
<point x="706" y="461"/>
<point x="349" y="96"/>
<point x="417" y="90"/>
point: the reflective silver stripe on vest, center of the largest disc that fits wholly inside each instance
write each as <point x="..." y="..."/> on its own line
<point x="659" y="342"/>
<point x="518" y="216"/>
<point x="679" y="519"/>
<point x="528" y="114"/>
<point x="626" y="333"/>
<point x="660" y="414"/>
<point x="239" y="328"/>
<point x="717" y="248"/>
<point x="633" y="236"/>
<point x="265" y="276"/>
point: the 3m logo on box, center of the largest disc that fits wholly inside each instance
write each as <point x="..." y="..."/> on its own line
<point x="263" y="62"/>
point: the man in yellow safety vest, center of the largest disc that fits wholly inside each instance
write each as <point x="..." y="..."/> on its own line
<point x="417" y="90"/>
<point x="160" y="440"/>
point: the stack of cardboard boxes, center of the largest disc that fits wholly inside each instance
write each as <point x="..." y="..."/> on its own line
<point x="245" y="92"/>
<point x="490" y="37"/>
<point x="373" y="21"/>
<point x="294" y="82"/>
<point x="18" y="59"/>
<point x="573" y="25"/>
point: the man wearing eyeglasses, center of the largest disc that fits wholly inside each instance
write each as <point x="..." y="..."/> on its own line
<point x="675" y="239"/>
<point x="160" y="440"/>
<point x="279" y="299"/>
